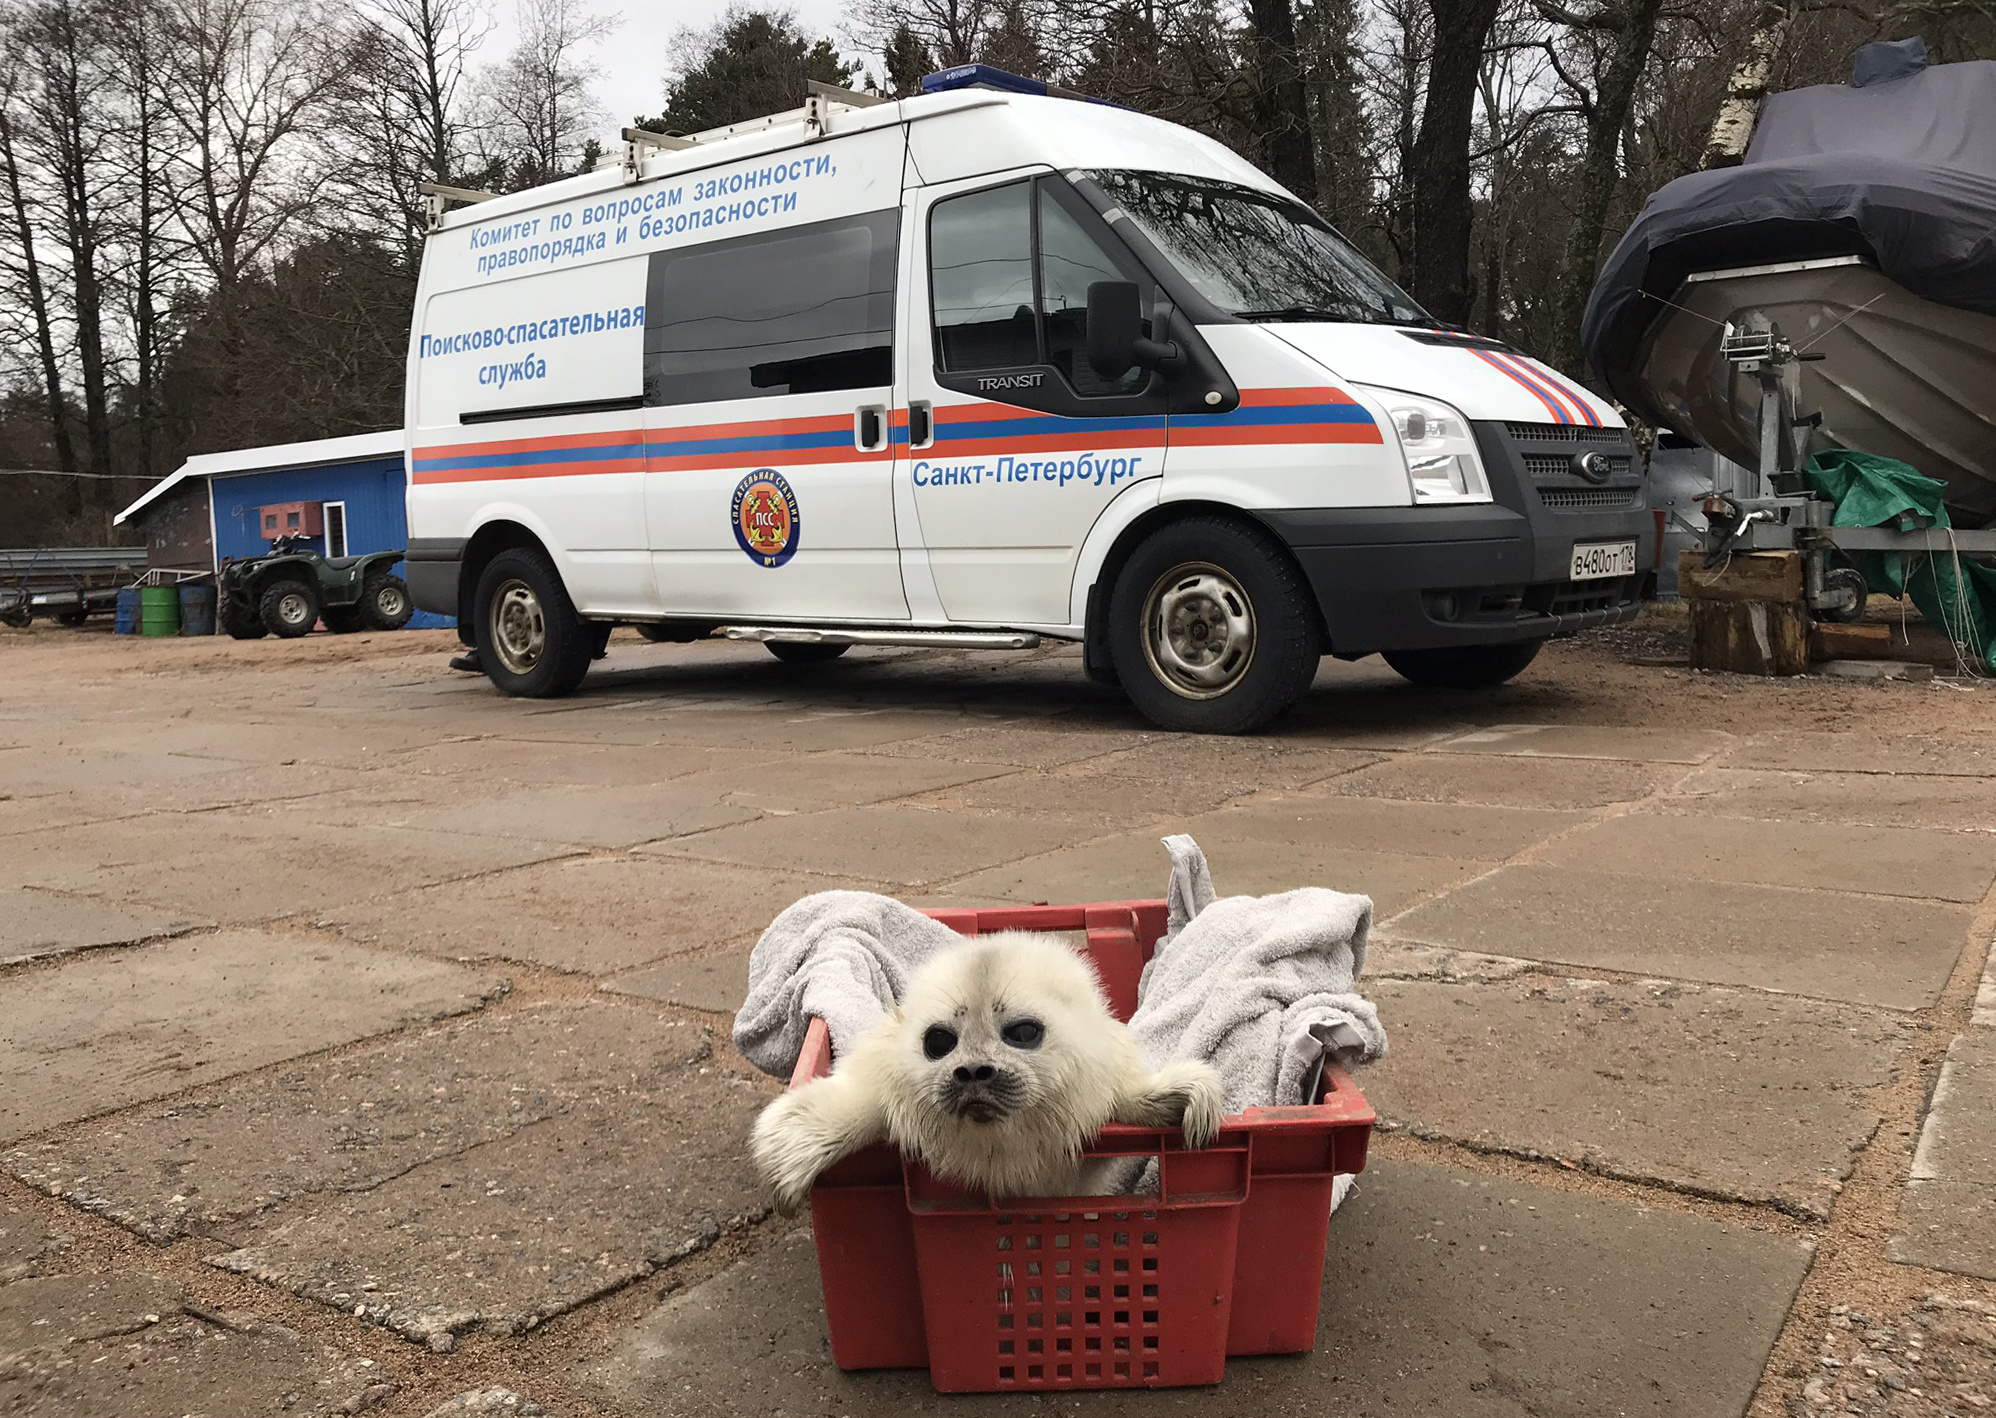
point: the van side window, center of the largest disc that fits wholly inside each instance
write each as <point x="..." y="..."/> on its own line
<point x="1009" y="271"/>
<point x="1071" y="261"/>
<point x="981" y="279"/>
<point x="799" y="311"/>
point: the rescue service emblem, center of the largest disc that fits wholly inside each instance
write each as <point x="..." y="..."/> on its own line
<point x="766" y="521"/>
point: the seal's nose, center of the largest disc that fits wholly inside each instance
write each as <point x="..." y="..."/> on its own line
<point x="983" y="1073"/>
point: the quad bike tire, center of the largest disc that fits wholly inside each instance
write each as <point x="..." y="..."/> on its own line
<point x="385" y="603"/>
<point x="289" y="608"/>
<point x="241" y="619"/>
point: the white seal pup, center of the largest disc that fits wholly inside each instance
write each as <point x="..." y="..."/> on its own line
<point x="997" y="1067"/>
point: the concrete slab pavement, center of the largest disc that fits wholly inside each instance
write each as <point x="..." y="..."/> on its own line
<point x="1883" y="861"/>
<point x="592" y="915"/>
<point x="1444" y="1292"/>
<point x="223" y="1161"/>
<point x="1728" y="1093"/>
<point x="39" y="923"/>
<point x="1535" y="782"/>
<point x="1896" y="954"/>
<point x="1956" y="804"/>
<point x="104" y="1031"/>
<point x="1948" y="1212"/>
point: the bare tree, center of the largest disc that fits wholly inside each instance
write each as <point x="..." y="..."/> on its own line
<point x="537" y="99"/>
<point x="26" y="264"/>
<point x="248" y="83"/>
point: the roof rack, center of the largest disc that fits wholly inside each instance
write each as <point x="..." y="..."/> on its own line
<point x="439" y="199"/>
<point x="820" y="101"/>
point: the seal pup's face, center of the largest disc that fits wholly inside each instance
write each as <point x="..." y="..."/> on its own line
<point x="992" y="1028"/>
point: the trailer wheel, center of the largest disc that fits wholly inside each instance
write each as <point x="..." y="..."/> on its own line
<point x="1850" y="581"/>
<point x="1212" y="629"/>
<point x="289" y="608"/>
<point x="530" y="640"/>
<point x="385" y="603"/>
<point x="800" y="652"/>
<point x="72" y="618"/>
<point x="1464" y="666"/>
<point x="242" y="620"/>
<point x="18" y="617"/>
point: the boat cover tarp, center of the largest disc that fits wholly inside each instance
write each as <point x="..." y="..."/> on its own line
<point x="1903" y="172"/>
<point x="1955" y="595"/>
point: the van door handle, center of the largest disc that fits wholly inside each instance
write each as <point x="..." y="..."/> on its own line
<point x="869" y="428"/>
<point x="921" y="423"/>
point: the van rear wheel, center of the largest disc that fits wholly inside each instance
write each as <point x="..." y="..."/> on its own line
<point x="531" y="643"/>
<point x="1464" y="666"/>
<point x="1211" y="628"/>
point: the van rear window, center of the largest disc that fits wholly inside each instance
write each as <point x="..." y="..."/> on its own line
<point x="799" y="311"/>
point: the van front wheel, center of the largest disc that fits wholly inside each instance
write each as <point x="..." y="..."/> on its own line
<point x="531" y="642"/>
<point x="1212" y="629"/>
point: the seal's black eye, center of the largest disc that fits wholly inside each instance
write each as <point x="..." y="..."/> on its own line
<point x="938" y="1042"/>
<point x="1024" y="1033"/>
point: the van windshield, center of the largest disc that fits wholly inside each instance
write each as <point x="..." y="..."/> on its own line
<point x="1255" y="254"/>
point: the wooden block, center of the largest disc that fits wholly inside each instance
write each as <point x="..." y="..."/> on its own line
<point x="1750" y="637"/>
<point x="1745" y="576"/>
<point x="1830" y="641"/>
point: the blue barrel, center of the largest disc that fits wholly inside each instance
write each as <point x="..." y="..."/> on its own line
<point x="197" y="610"/>
<point x="128" y="611"/>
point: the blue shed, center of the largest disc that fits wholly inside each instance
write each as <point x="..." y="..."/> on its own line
<point x="347" y="493"/>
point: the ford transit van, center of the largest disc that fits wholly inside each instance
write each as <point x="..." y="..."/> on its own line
<point x="979" y="367"/>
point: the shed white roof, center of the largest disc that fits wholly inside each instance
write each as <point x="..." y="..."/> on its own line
<point x="316" y="453"/>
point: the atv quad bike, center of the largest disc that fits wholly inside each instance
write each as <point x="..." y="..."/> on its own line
<point x="286" y="591"/>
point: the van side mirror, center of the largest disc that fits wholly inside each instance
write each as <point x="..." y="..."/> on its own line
<point x="1116" y="339"/>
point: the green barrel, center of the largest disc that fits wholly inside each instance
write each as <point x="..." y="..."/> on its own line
<point x="159" y="610"/>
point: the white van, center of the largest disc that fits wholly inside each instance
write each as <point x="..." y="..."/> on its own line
<point x="978" y="367"/>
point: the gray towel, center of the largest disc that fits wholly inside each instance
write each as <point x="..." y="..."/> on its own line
<point x="1264" y="988"/>
<point x="844" y="956"/>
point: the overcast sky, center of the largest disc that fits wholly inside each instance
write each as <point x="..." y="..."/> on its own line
<point x="630" y="67"/>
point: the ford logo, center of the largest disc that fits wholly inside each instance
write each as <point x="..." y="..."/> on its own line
<point x="1595" y="467"/>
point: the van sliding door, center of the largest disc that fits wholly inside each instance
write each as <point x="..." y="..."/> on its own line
<point x="768" y="377"/>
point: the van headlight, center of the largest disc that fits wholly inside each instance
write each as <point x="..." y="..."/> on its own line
<point x="1439" y="449"/>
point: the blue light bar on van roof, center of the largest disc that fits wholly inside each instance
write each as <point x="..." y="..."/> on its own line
<point x="983" y="76"/>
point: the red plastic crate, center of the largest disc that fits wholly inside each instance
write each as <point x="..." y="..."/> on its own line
<point x="1088" y="1292"/>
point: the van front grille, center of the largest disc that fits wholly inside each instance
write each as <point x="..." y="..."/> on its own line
<point x="1589" y="499"/>
<point x="1566" y="433"/>
<point x="1543" y="466"/>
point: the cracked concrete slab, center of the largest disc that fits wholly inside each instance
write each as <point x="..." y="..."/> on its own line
<point x="749" y="728"/>
<point x="73" y="768"/>
<point x="591" y="817"/>
<point x="98" y="1032"/>
<point x="1133" y="866"/>
<point x="549" y="764"/>
<point x="1895" y="954"/>
<point x="1866" y="752"/>
<point x="1728" y="1093"/>
<point x="905" y="845"/>
<point x="1019" y="746"/>
<point x="1591" y="741"/>
<point x="53" y="1312"/>
<point x="1320" y="817"/>
<point x="27" y="1247"/>
<point x="183" y="1365"/>
<point x="255" y="863"/>
<point x="506" y="1235"/>
<point x="1883" y="861"/>
<point x="592" y="915"/>
<point x="1444" y="1292"/>
<point x="34" y="924"/>
<point x="220" y="1162"/>
<point x="713" y="983"/>
<point x="1260" y="762"/>
<point x="1866" y="799"/>
<point x="1560" y="783"/>
<point x="824" y="780"/>
<point x="1112" y="801"/>
<point x="1948" y="1211"/>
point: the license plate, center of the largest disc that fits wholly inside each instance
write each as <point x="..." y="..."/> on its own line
<point x="1594" y="560"/>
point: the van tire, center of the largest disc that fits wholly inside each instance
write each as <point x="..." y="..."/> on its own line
<point x="1464" y="666"/>
<point x="1160" y="638"/>
<point x="800" y="652"/>
<point x="531" y="643"/>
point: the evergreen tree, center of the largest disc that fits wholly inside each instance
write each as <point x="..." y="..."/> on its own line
<point x="752" y="63"/>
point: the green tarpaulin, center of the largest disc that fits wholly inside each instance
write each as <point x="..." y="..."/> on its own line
<point x="1956" y="595"/>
